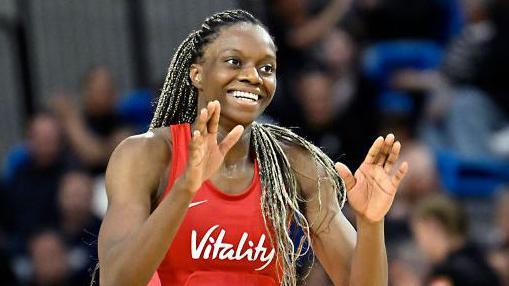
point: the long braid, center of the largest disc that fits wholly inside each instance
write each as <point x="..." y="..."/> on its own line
<point x="178" y="84"/>
<point x="280" y="198"/>
<point x="280" y="191"/>
<point x="178" y="91"/>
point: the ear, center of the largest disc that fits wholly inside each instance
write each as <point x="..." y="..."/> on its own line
<point x="195" y="73"/>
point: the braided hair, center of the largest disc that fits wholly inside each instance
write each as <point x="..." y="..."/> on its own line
<point x="280" y="191"/>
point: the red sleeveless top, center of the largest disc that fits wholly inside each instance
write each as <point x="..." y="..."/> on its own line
<point x="223" y="239"/>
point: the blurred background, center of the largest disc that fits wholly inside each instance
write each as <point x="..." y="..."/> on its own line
<point x="77" y="77"/>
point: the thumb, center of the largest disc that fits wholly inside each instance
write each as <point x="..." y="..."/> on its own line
<point x="231" y="139"/>
<point x="346" y="175"/>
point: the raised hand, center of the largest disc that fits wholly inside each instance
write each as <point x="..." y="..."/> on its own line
<point x="371" y="190"/>
<point x="205" y="154"/>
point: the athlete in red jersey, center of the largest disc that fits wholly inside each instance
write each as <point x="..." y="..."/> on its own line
<point x="214" y="235"/>
<point x="204" y="220"/>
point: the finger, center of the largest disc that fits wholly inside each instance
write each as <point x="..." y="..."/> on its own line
<point x="374" y="150"/>
<point x="195" y="152"/>
<point x="201" y="121"/>
<point x="386" y="147"/>
<point x="393" y="157"/>
<point x="213" y="124"/>
<point x="346" y="175"/>
<point x="210" y="109"/>
<point x="231" y="139"/>
<point x="210" y="112"/>
<point x="400" y="174"/>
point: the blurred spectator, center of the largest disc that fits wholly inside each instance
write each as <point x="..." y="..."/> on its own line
<point x="336" y="55"/>
<point x="421" y="180"/>
<point x="468" y="82"/>
<point x="440" y="227"/>
<point x="301" y="27"/>
<point x="296" y="31"/>
<point x="320" y="121"/>
<point x="30" y="197"/>
<point x="78" y="226"/>
<point x="352" y="95"/>
<point x="493" y="77"/>
<point x="332" y="97"/>
<point x="499" y="260"/>
<point x="499" y="254"/>
<point x="49" y="260"/>
<point x="296" y="28"/>
<point x="501" y="218"/>
<point x="406" y="268"/>
<point x="94" y="131"/>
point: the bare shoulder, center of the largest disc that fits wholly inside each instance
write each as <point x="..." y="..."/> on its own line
<point x="298" y="156"/>
<point x="141" y="158"/>
<point x="305" y="166"/>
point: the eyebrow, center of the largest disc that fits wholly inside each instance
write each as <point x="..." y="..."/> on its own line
<point x="240" y="52"/>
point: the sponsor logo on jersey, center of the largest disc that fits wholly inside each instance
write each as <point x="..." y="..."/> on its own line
<point x="212" y="247"/>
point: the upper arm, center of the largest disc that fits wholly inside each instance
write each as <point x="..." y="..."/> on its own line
<point x="132" y="178"/>
<point x="332" y="236"/>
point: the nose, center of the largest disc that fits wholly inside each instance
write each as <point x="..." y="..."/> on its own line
<point x="249" y="74"/>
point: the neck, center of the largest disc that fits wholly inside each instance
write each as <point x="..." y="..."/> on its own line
<point x="239" y="153"/>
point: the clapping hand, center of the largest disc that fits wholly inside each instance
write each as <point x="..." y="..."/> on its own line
<point x="205" y="154"/>
<point x="371" y="190"/>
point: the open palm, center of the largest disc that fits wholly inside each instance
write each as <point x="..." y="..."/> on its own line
<point x="205" y="154"/>
<point x="371" y="190"/>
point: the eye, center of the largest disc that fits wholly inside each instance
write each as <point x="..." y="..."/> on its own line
<point x="233" y="61"/>
<point x="267" y="69"/>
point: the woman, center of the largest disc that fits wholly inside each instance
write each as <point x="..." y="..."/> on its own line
<point x="185" y="204"/>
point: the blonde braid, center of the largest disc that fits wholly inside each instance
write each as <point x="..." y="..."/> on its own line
<point x="280" y="195"/>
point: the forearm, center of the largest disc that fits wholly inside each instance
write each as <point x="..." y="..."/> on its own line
<point x="134" y="260"/>
<point x="88" y="147"/>
<point x="315" y="28"/>
<point x="369" y="261"/>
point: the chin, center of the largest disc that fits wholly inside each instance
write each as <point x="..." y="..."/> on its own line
<point x="241" y="118"/>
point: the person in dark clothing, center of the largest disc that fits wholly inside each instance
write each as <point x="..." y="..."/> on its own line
<point x="465" y="266"/>
<point x="49" y="258"/>
<point x="492" y="73"/>
<point x="30" y="196"/>
<point x="297" y="30"/>
<point x="92" y="132"/>
<point x="440" y="227"/>
<point x="326" y="122"/>
<point x="78" y="226"/>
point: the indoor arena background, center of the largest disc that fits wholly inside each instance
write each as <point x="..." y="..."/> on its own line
<point x="77" y="77"/>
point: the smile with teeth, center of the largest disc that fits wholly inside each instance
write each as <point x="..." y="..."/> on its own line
<point x="244" y="96"/>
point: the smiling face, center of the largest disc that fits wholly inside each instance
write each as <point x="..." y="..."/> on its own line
<point x="237" y="69"/>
